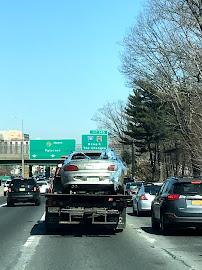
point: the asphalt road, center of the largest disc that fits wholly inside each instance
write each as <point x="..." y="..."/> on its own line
<point x="25" y="245"/>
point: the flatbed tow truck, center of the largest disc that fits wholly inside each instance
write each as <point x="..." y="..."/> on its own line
<point x="87" y="192"/>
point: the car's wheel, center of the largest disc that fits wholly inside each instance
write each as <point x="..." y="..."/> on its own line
<point x="138" y="212"/>
<point x="134" y="212"/>
<point x="154" y="223"/>
<point x="5" y="193"/>
<point x="163" y="226"/>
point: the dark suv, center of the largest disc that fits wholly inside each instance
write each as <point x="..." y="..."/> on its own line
<point x="177" y="204"/>
<point x="23" y="190"/>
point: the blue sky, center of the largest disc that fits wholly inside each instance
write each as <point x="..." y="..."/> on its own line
<point x="59" y="63"/>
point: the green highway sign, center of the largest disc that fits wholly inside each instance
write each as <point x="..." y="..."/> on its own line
<point x="50" y="149"/>
<point x="94" y="142"/>
<point x="101" y="132"/>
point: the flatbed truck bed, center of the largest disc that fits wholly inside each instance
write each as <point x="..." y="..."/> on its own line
<point x="91" y="209"/>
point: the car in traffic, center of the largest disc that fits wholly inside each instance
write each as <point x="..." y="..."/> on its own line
<point x="104" y="171"/>
<point x="142" y="200"/>
<point x="177" y="204"/>
<point x="23" y="190"/>
<point x="131" y="189"/>
<point x="43" y="186"/>
<point x="6" y="187"/>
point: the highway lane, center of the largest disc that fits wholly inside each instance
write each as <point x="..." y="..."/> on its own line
<point x="15" y="225"/>
<point x="25" y="245"/>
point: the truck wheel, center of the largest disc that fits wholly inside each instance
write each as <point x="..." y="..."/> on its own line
<point x="119" y="230"/>
<point x="10" y="204"/>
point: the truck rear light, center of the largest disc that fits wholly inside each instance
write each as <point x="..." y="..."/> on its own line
<point x="196" y="182"/>
<point x="143" y="197"/>
<point x="173" y="197"/>
<point x="110" y="200"/>
<point x="71" y="168"/>
<point x="111" y="167"/>
<point x="34" y="189"/>
<point x="9" y="190"/>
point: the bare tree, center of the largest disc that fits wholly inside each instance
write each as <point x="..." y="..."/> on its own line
<point x="112" y="117"/>
<point x="164" y="48"/>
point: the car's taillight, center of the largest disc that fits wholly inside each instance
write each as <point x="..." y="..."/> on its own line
<point x="9" y="190"/>
<point x="173" y="197"/>
<point x="34" y="189"/>
<point x="71" y="168"/>
<point x="111" y="167"/>
<point x="143" y="197"/>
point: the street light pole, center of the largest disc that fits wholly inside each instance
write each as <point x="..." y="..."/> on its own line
<point x="22" y="151"/>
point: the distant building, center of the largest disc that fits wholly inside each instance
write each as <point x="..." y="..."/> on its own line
<point x="12" y="135"/>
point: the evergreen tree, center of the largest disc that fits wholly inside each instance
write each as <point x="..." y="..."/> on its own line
<point x="146" y="124"/>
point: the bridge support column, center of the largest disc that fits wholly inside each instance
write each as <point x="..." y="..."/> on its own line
<point x="30" y="171"/>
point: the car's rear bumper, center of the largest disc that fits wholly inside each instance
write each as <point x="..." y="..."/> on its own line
<point x="171" y="218"/>
<point x="22" y="197"/>
<point x="144" y="205"/>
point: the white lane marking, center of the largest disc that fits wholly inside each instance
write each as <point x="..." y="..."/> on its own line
<point x="146" y="237"/>
<point x="28" y="250"/>
<point x="2" y="205"/>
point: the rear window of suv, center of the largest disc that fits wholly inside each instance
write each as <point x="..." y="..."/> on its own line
<point x="25" y="182"/>
<point x="187" y="189"/>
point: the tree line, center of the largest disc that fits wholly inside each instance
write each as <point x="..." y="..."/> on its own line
<point x="162" y="119"/>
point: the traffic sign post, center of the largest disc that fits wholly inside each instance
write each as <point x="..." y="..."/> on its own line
<point x="50" y="149"/>
<point x="94" y="142"/>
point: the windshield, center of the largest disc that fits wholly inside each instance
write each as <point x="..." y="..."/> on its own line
<point x="19" y="182"/>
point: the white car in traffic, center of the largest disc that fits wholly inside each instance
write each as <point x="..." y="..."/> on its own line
<point x="6" y="187"/>
<point x="43" y="186"/>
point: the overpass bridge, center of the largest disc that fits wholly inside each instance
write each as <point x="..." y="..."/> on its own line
<point x="16" y="159"/>
<point x="11" y="154"/>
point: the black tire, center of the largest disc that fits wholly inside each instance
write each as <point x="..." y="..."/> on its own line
<point x="10" y="204"/>
<point x="119" y="230"/>
<point x="5" y="193"/>
<point x="154" y="223"/>
<point x="138" y="212"/>
<point x="134" y="212"/>
<point x="163" y="226"/>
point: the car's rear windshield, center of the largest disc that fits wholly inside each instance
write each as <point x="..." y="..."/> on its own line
<point x="153" y="189"/>
<point x="187" y="189"/>
<point x="19" y="182"/>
